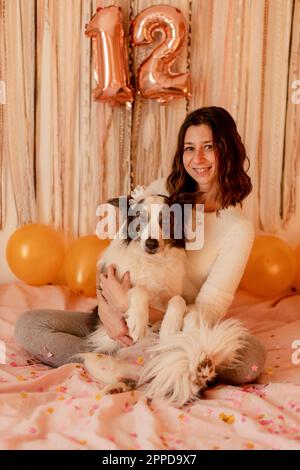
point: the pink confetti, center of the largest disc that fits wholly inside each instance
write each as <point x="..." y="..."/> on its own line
<point x="254" y="368"/>
<point x="127" y="408"/>
<point x="32" y="430"/>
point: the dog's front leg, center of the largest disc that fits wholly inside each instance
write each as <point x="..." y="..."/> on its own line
<point x="137" y="315"/>
<point x="173" y="318"/>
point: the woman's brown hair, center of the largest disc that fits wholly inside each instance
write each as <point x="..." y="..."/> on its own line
<point x="233" y="183"/>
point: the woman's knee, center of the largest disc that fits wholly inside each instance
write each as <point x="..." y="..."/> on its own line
<point x="26" y="325"/>
<point x="252" y="360"/>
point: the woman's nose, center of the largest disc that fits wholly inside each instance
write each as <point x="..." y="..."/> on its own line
<point x="199" y="155"/>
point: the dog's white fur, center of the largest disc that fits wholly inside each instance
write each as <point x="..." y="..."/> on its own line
<point x="156" y="279"/>
<point x="155" y="282"/>
<point x="183" y="362"/>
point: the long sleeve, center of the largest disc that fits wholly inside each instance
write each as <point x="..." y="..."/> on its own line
<point x="217" y="292"/>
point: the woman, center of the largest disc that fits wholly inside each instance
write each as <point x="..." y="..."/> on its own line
<point x="209" y="165"/>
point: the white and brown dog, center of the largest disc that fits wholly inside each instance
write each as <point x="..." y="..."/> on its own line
<point x="181" y="363"/>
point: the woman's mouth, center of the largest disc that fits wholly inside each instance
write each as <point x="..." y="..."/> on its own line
<point x="202" y="171"/>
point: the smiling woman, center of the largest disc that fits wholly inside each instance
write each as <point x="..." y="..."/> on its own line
<point x="199" y="156"/>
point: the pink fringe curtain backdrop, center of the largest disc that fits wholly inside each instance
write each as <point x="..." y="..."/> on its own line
<point x="66" y="154"/>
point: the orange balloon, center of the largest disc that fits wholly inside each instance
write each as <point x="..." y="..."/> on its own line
<point x="271" y="267"/>
<point x="296" y="282"/>
<point x="81" y="262"/>
<point x="35" y="253"/>
<point x="60" y="278"/>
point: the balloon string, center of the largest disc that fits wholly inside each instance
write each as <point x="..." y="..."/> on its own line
<point x="130" y="109"/>
<point x="189" y="50"/>
<point x="2" y="77"/>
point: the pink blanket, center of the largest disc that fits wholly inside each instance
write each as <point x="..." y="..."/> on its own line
<point x="43" y="408"/>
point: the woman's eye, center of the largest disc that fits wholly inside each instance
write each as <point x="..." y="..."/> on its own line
<point x="188" y="149"/>
<point x="208" y="147"/>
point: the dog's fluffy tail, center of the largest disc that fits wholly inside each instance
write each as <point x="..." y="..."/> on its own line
<point x="169" y="374"/>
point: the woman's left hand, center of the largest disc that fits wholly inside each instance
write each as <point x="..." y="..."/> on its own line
<point x="114" y="292"/>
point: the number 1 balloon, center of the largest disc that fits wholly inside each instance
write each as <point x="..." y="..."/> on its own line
<point x="110" y="56"/>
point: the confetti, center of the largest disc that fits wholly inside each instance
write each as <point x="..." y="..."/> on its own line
<point x="228" y="419"/>
<point x="254" y="368"/>
<point x="249" y="445"/>
<point x="183" y="417"/>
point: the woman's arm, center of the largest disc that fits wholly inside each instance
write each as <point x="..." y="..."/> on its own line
<point x="217" y="292"/>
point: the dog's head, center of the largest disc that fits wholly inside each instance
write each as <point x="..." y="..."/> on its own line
<point x="152" y="221"/>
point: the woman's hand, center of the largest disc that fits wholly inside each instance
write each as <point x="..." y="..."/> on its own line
<point x="112" y="317"/>
<point x="114" y="292"/>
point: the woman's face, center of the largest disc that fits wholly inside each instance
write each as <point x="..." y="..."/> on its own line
<point x="199" y="157"/>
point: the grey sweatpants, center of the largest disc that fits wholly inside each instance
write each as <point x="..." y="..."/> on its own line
<point x="54" y="336"/>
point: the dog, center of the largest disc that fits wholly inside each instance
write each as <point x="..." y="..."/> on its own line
<point x="157" y="268"/>
<point x="182" y="359"/>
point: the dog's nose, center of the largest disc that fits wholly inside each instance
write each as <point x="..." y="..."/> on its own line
<point x="151" y="243"/>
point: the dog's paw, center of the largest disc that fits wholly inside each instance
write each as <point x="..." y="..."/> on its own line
<point x="137" y="325"/>
<point x="173" y="319"/>
<point x="113" y="389"/>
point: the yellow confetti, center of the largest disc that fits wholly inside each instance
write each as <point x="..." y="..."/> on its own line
<point x="50" y="410"/>
<point x="228" y="419"/>
<point x="270" y="371"/>
<point x="33" y="373"/>
<point x="181" y="416"/>
<point x="140" y="360"/>
<point x="24" y="394"/>
<point x="61" y="397"/>
<point x="98" y="396"/>
<point x="20" y="378"/>
<point x="249" y="445"/>
<point x="82" y="442"/>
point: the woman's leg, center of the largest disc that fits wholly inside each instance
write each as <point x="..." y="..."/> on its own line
<point x="54" y="336"/>
<point x="253" y="358"/>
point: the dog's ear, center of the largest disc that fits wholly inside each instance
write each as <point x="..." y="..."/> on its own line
<point x="114" y="201"/>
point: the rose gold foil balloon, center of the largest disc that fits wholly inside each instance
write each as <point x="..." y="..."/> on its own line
<point x="110" y="56"/>
<point x="155" y="78"/>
